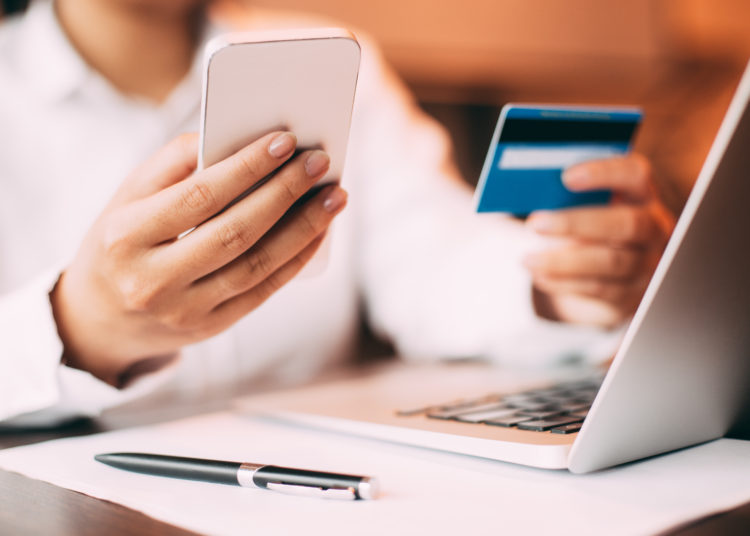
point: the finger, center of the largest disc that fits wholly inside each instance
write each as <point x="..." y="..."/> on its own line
<point x="171" y="164"/>
<point x="585" y="260"/>
<point x="588" y="311"/>
<point x="232" y="310"/>
<point x="615" y="292"/>
<point x="613" y="224"/>
<point x="181" y="207"/>
<point x="628" y="175"/>
<point x="296" y="231"/>
<point x="224" y="238"/>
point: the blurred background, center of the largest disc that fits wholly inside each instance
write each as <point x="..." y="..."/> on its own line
<point x="678" y="59"/>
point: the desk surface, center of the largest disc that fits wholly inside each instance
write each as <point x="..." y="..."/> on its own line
<point x="31" y="506"/>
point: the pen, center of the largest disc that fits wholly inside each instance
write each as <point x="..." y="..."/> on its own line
<point x="247" y="475"/>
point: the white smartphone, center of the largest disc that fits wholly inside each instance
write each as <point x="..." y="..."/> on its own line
<point x="298" y="80"/>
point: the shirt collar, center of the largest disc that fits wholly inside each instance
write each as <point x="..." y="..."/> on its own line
<point x="51" y="65"/>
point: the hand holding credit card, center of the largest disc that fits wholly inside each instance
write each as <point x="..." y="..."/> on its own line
<point x="532" y="146"/>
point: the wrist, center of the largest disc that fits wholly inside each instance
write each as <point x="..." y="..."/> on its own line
<point x="78" y="350"/>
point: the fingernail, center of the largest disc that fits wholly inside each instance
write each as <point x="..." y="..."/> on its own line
<point x="282" y="145"/>
<point x="542" y="222"/>
<point x="317" y="163"/>
<point x="575" y="177"/>
<point x="335" y="199"/>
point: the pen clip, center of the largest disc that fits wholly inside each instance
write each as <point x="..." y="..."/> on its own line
<point x="347" y="494"/>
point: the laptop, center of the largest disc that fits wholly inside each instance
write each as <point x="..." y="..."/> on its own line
<point x="681" y="375"/>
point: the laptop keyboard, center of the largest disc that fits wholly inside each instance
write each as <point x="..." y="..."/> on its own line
<point x="559" y="409"/>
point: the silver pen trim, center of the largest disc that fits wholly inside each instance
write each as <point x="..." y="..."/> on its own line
<point x="367" y="488"/>
<point x="245" y="474"/>
<point x="347" y="494"/>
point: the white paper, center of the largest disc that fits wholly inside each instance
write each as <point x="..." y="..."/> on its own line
<point x="424" y="491"/>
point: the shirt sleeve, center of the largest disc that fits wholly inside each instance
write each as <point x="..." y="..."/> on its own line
<point x="36" y="389"/>
<point x="440" y="280"/>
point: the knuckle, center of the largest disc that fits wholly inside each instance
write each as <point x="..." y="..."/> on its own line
<point x="641" y="174"/>
<point x="630" y="225"/>
<point x="287" y="192"/>
<point x="269" y="287"/>
<point x="570" y="223"/>
<point x="116" y="238"/>
<point x="613" y="293"/>
<point x="204" y="330"/>
<point x="138" y="294"/>
<point x="250" y="165"/>
<point x="233" y="237"/>
<point x="619" y="262"/>
<point x="198" y="196"/>
<point x="619" y="293"/>
<point x="179" y="320"/>
<point x="273" y="283"/>
<point x="597" y="288"/>
<point x="263" y="291"/>
<point x="642" y="166"/>
<point x="258" y="263"/>
<point x="642" y="227"/>
<point x="310" y="225"/>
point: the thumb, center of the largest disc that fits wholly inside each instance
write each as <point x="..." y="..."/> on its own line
<point x="174" y="162"/>
<point x="629" y="175"/>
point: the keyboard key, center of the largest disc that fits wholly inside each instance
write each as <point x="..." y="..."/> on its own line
<point x="568" y="428"/>
<point x="543" y="414"/>
<point x="468" y="408"/>
<point x="558" y="399"/>
<point x="550" y="391"/>
<point x="542" y="425"/>
<point x="529" y="405"/>
<point x="484" y="415"/>
<point x="573" y="407"/>
<point x="507" y="422"/>
<point x="455" y="405"/>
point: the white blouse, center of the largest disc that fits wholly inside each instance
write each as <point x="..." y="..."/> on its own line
<point x="434" y="277"/>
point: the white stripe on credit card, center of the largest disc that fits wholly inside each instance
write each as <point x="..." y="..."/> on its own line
<point x="553" y="157"/>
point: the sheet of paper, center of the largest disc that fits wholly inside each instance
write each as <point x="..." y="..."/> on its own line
<point x="423" y="491"/>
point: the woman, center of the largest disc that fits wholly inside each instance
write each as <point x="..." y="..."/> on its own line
<point x="101" y="303"/>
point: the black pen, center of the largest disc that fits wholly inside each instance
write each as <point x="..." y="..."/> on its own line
<point x="248" y="475"/>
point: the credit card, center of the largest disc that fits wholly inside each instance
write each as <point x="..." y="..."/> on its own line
<point x="532" y="146"/>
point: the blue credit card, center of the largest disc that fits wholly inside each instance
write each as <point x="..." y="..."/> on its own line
<point x="533" y="145"/>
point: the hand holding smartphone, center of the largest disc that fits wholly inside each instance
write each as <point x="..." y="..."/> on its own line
<point x="166" y="263"/>
<point x="298" y="80"/>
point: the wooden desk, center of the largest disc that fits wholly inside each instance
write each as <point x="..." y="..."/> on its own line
<point x="33" y="507"/>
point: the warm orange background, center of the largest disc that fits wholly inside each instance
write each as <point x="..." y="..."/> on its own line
<point x="679" y="59"/>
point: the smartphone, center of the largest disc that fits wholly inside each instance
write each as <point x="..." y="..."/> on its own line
<point x="303" y="81"/>
<point x="532" y="146"/>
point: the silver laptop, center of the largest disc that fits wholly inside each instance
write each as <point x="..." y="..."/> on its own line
<point x="681" y="376"/>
